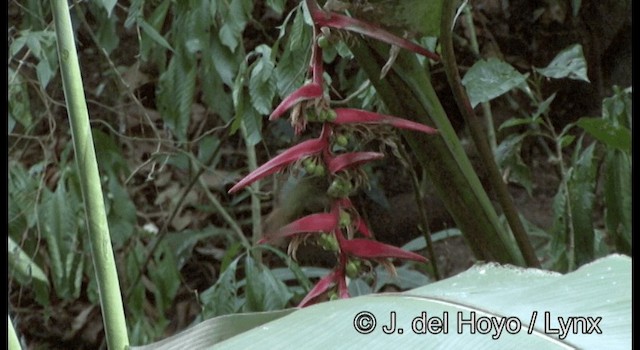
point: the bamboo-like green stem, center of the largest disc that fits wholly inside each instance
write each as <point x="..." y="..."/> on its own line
<point x="14" y="342"/>
<point x="101" y="250"/>
<point x="500" y="188"/>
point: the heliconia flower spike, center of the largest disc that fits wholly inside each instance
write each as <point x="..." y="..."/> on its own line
<point x="320" y="287"/>
<point x="360" y="116"/>
<point x="283" y="159"/>
<point x="334" y="20"/>
<point x="321" y="222"/>
<point x="309" y="91"/>
<point x="346" y="160"/>
<point x="369" y="249"/>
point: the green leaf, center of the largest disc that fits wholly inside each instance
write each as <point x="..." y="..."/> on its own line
<point x="488" y="79"/>
<point x="220" y="299"/>
<point x="122" y="213"/>
<point x="225" y="61"/>
<point x="156" y="21"/>
<point x="235" y="18"/>
<point x="175" y="94"/>
<point x="253" y="123"/>
<point x="263" y="290"/>
<point x="566" y="140"/>
<point x="108" y="5"/>
<point x="507" y="155"/>
<point x="617" y="108"/>
<point x="487" y="290"/>
<point x="19" y="105"/>
<point x="543" y="107"/>
<point x="420" y="15"/>
<point x="154" y="35"/>
<point x="60" y="230"/>
<point x="165" y="277"/>
<point x="208" y="333"/>
<point x="617" y="198"/>
<point x="606" y="131"/>
<point x="262" y="86"/>
<point x="22" y="267"/>
<point x="569" y="63"/>
<point x="511" y="122"/>
<point x="106" y="34"/>
<point x="45" y="73"/>
<point x="292" y="65"/>
<point x="277" y="5"/>
<point x="135" y="11"/>
<point x="582" y="199"/>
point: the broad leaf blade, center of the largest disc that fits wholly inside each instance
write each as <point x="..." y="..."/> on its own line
<point x="606" y="131"/>
<point x="210" y="332"/>
<point x="569" y="63"/>
<point x="488" y="290"/>
<point x="488" y="79"/>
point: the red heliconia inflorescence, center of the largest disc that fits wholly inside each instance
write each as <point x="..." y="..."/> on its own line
<point x="342" y="223"/>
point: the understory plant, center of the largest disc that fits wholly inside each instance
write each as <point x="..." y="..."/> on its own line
<point x="335" y="155"/>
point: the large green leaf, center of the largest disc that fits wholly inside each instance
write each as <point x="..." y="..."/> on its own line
<point x="530" y="303"/>
<point x="489" y="79"/>
<point x="608" y="132"/>
<point x="569" y="63"/>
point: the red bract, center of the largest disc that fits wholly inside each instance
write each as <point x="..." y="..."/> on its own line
<point x="306" y="92"/>
<point x="279" y="162"/>
<point x="322" y="286"/>
<point x="352" y="159"/>
<point x="359" y="116"/>
<point x="369" y="249"/>
<point x="322" y="222"/>
<point x="324" y="18"/>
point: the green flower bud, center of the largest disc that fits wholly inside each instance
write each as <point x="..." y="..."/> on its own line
<point x="328" y="242"/>
<point x="319" y="170"/>
<point x="342" y="140"/>
<point x="331" y="115"/>
<point x="340" y="188"/>
<point x="353" y="268"/>
<point x="324" y="42"/>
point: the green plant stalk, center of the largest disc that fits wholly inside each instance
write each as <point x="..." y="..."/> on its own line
<point x="486" y="106"/>
<point x="224" y="214"/>
<point x="14" y="342"/>
<point x="484" y="150"/>
<point x="101" y="250"/>
<point x="256" y="211"/>
<point x="564" y="185"/>
<point x="426" y="232"/>
<point x="422" y="211"/>
<point x="407" y="91"/>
